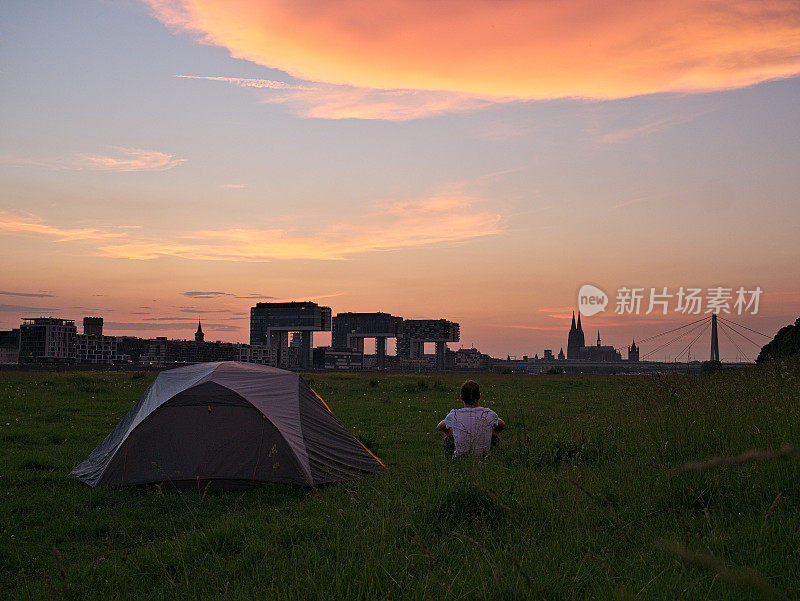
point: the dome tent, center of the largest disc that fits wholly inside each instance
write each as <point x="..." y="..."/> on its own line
<point x="227" y="425"/>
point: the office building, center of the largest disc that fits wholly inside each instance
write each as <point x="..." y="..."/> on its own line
<point x="47" y="340"/>
<point x="9" y="347"/>
<point x="271" y="323"/>
<point x="416" y="332"/>
<point x="350" y="330"/>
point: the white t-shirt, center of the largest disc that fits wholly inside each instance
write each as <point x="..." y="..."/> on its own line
<point x="472" y="429"/>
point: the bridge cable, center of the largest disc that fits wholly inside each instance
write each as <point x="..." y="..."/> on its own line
<point x="673" y="330"/>
<point x="736" y="344"/>
<point x="678" y="337"/>
<point x="729" y="322"/>
<point x="697" y="326"/>
<point x="745" y="327"/>
<point x="754" y="343"/>
<point x="689" y="346"/>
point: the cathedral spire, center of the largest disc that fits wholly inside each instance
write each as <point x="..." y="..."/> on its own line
<point x="579" y="321"/>
<point x="198" y="335"/>
<point x="598" y="337"/>
<point x="573" y="321"/>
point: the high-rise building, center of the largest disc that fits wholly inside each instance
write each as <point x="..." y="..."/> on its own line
<point x="350" y="330"/>
<point x="270" y="324"/>
<point x="416" y="332"/>
<point x="93" y="326"/>
<point x="46" y="339"/>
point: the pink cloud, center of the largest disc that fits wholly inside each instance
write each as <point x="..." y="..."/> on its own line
<point x="125" y="159"/>
<point x="330" y="101"/>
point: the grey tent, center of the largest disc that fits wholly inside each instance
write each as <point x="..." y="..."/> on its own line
<point x="227" y="425"/>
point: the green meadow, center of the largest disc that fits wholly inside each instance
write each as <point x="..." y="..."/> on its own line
<point x="579" y="502"/>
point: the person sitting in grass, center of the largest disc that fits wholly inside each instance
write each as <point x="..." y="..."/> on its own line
<point x="471" y="428"/>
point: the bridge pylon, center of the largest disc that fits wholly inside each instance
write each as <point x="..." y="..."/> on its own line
<point x="714" y="338"/>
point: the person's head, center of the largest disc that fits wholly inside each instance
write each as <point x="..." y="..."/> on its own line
<point x="470" y="393"/>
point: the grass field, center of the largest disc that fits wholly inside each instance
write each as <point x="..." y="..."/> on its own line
<point x="577" y="504"/>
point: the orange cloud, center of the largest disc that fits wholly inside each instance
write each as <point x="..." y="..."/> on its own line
<point x="524" y="49"/>
<point x="32" y="225"/>
<point x="450" y="217"/>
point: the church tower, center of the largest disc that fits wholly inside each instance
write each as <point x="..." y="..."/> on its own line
<point x="575" y="340"/>
<point x="198" y="335"/>
<point x="633" y="351"/>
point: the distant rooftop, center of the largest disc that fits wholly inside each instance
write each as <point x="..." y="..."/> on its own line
<point x="288" y="305"/>
<point x="45" y="321"/>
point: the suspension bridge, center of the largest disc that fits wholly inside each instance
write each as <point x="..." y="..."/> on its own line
<point x="680" y="349"/>
<point x="740" y="337"/>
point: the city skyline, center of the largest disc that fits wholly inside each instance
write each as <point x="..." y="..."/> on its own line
<point x="690" y="341"/>
<point x="168" y="160"/>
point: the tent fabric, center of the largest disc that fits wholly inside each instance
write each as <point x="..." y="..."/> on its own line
<point x="230" y="424"/>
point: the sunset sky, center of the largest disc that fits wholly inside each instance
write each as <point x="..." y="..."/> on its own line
<point x="476" y="160"/>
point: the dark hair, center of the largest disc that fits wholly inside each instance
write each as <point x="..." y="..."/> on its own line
<point x="470" y="392"/>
